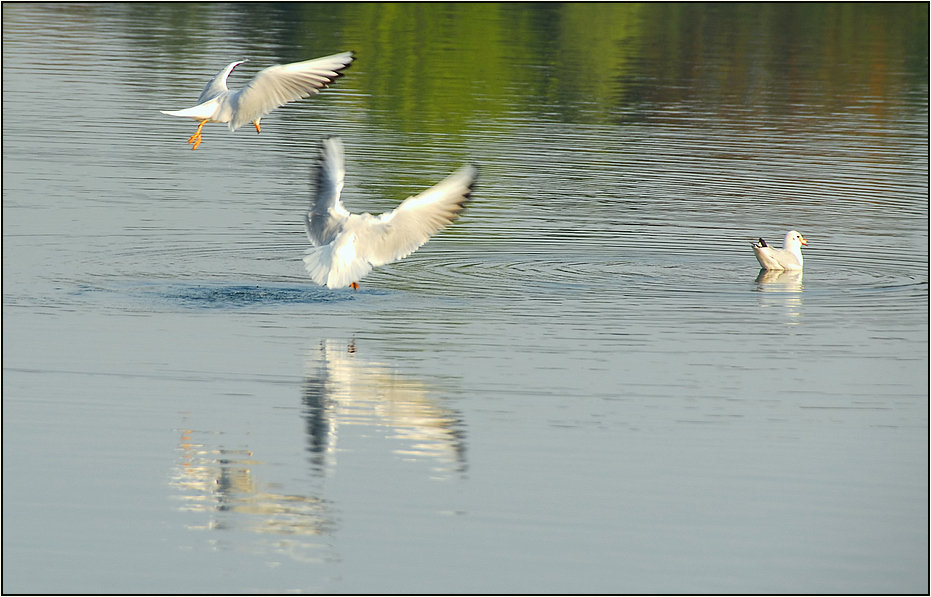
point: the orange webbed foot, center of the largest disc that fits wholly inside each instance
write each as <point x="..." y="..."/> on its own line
<point x="354" y="286"/>
<point x="195" y="138"/>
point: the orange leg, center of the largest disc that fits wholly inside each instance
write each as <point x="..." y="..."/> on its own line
<point x="195" y="138"/>
<point x="257" y="128"/>
<point x="354" y="286"/>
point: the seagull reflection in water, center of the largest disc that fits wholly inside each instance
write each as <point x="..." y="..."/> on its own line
<point x="341" y="389"/>
<point x="226" y="485"/>
<point x="782" y="288"/>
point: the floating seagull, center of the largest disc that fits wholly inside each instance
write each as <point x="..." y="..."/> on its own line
<point x="273" y="87"/>
<point x="789" y="257"/>
<point x="346" y="246"/>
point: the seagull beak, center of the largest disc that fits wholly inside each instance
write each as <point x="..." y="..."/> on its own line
<point x="802" y="240"/>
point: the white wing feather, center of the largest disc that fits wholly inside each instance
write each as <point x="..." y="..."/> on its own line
<point x="217" y="85"/>
<point x="277" y="85"/>
<point x="398" y="233"/>
<point x="325" y="218"/>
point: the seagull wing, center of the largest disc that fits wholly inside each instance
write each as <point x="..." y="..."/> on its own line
<point x="398" y="233"/>
<point x="787" y="259"/>
<point x="771" y="258"/>
<point x="326" y="216"/>
<point x="217" y="85"/>
<point x="278" y="85"/>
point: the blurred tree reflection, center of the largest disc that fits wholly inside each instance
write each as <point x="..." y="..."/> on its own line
<point x="433" y="67"/>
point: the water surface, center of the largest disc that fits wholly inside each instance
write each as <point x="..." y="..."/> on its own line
<point x="584" y="385"/>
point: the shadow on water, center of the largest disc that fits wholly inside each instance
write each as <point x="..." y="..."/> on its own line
<point x="210" y="295"/>
<point x="233" y="296"/>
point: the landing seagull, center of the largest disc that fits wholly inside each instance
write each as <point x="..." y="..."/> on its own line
<point x="787" y="258"/>
<point x="347" y="246"/>
<point x="273" y="87"/>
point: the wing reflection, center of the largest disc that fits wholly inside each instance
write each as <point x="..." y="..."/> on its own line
<point x="219" y="481"/>
<point x="782" y="289"/>
<point x="340" y="389"/>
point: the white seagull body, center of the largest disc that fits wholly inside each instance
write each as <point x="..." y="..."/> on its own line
<point x="347" y="246"/>
<point x="787" y="258"/>
<point x="271" y="88"/>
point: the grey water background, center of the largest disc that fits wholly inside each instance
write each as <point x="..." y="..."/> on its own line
<point x="584" y="385"/>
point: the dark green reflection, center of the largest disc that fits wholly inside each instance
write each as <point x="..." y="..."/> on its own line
<point x="436" y="67"/>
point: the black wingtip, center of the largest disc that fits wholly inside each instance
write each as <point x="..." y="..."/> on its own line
<point x="477" y="172"/>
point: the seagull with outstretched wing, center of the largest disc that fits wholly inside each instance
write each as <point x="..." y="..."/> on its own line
<point x="347" y="246"/>
<point x="270" y="89"/>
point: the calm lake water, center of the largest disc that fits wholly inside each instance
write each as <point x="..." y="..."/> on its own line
<point x="583" y="385"/>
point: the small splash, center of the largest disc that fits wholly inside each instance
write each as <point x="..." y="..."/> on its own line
<point x="245" y="296"/>
<point x="235" y="296"/>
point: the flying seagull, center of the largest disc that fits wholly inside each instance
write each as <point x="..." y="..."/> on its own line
<point x="271" y="88"/>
